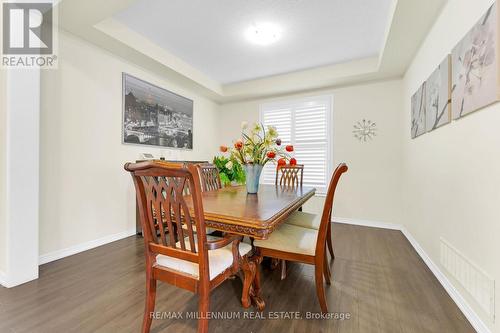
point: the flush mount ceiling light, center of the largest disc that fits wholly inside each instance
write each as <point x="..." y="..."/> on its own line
<point x="264" y="33"/>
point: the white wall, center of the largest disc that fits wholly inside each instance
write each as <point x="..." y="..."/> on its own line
<point x="452" y="174"/>
<point x="85" y="193"/>
<point x="22" y="175"/>
<point x="3" y="171"/>
<point x="371" y="189"/>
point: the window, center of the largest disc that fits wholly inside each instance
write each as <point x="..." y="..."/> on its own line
<point x="306" y="124"/>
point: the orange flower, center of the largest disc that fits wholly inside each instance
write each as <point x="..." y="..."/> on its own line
<point x="293" y="161"/>
<point x="223" y="149"/>
<point x="281" y="161"/>
<point x="271" y="154"/>
<point x="289" y="148"/>
<point x="238" y="144"/>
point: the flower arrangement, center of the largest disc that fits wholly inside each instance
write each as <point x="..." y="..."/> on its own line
<point x="256" y="147"/>
<point x="229" y="170"/>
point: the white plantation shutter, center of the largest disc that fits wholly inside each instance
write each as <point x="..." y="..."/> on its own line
<point x="281" y="118"/>
<point x="306" y="124"/>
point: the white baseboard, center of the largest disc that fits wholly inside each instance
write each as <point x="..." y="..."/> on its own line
<point x="455" y="295"/>
<point x="59" y="254"/>
<point x="3" y="280"/>
<point x="9" y="281"/>
<point x="367" y="223"/>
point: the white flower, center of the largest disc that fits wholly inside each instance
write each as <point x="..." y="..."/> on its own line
<point x="256" y="128"/>
<point x="229" y="165"/>
<point x="244" y="125"/>
<point x="272" y="131"/>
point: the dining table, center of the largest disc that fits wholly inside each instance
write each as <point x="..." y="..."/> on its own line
<point x="232" y="210"/>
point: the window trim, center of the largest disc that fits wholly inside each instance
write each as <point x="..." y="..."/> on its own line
<point x="293" y="103"/>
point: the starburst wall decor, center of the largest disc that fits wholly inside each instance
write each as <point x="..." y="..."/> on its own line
<point x="365" y="130"/>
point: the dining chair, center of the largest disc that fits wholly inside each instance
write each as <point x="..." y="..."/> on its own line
<point x="189" y="259"/>
<point x="293" y="176"/>
<point x="170" y="164"/>
<point x="293" y="243"/>
<point x="210" y="177"/>
<point x="289" y="175"/>
<point x="210" y="181"/>
<point x="313" y="221"/>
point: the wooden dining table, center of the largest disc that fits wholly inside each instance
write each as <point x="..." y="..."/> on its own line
<point x="232" y="210"/>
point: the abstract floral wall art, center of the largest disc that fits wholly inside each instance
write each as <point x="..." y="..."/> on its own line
<point x="437" y="96"/>
<point x="418" y="112"/>
<point x="475" y="66"/>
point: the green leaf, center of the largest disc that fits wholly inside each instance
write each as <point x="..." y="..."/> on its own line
<point x="225" y="179"/>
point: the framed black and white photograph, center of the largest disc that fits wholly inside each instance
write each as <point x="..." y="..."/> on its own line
<point x="155" y="116"/>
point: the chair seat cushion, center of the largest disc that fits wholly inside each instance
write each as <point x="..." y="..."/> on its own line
<point x="292" y="239"/>
<point x="219" y="260"/>
<point x="304" y="220"/>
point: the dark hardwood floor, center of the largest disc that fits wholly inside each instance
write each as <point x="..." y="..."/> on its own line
<point x="379" y="281"/>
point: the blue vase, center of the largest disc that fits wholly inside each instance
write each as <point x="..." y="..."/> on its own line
<point x="252" y="173"/>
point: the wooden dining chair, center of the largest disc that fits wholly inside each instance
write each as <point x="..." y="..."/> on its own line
<point x="210" y="181"/>
<point x="184" y="258"/>
<point x="210" y="177"/>
<point x="293" y="243"/>
<point x="293" y="176"/>
<point x="290" y="175"/>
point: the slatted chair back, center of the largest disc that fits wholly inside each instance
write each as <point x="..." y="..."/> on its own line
<point x="290" y="175"/>
<point x="162" y="187"/>
<point x="210" y="177"/>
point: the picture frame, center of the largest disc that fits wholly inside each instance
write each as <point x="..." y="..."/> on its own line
<point x="475" y="66"/>
<point x="418" y="112"/>
<point x="154" y="116"/>
<point x="438" y="96"/>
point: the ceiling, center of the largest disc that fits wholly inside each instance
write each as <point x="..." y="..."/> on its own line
<point x="200" y="43"/>
<point x="209" y="35"/>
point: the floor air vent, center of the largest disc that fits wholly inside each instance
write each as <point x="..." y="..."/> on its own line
<point x="475" y="281"/>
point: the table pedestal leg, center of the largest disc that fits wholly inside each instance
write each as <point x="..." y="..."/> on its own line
<point x="255" y="294"/>
<point x="248" y="267"/>
<point x="251" y="283"/>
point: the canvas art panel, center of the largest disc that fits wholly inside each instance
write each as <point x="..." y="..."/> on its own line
<point x="437" y="97"/>
<point x="418" y="112"/>
<point x="155" y="116"/>
<point x="475" y="66"/>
